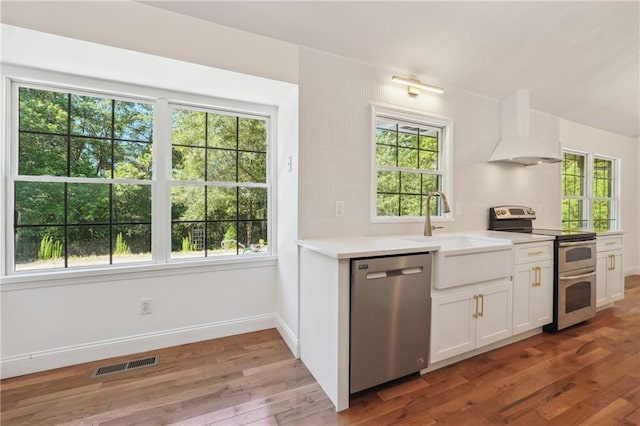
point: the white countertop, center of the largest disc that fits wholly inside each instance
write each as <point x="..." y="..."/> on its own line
<point x="354" y="247"/>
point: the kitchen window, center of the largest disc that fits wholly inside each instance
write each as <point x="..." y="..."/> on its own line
<point x="99" y="179"/>
<point x="589" y="191"/>
<point x="411" y="161"/>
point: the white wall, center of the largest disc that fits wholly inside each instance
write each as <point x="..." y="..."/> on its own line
<point x="47" y="323"/>
<point x="335" y="151"/>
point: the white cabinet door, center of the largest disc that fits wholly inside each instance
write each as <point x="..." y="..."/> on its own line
<point x="542" y="295"/>
<point x="453" y="328"/>
<point x="522" y="307"/>
<point x="601" y="279"/>
<point x="615" y="277"/>
<point x="609" y="277"/>
<point x="494" y="313"/>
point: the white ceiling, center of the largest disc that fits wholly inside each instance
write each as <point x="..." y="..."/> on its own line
<point x="580" y="60"/>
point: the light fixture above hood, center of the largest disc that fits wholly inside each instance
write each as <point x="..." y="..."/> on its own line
<point x="516" y="144"/>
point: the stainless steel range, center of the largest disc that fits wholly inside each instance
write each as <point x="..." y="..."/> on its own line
<point x="574" y="298"/>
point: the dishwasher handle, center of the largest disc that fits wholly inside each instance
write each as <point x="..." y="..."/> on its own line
<point x="394" y="272"/>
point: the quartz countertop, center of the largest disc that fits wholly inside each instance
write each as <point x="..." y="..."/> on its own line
<point x="354" y="247"/>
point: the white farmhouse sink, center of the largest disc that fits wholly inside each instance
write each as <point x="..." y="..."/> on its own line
<point x="467" y="259"/>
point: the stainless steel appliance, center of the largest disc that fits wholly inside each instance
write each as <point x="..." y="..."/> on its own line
<point x="574" y="298"/>
<point x="390" y="318"/>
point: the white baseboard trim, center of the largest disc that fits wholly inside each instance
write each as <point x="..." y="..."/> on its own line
<point x="288" y="336"/>
<point x="632" y="271"/>
<point x="18" y="365"/>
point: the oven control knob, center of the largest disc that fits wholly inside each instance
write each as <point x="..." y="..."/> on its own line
<point x="503" y="211"/>
<point x="531" y="211"/>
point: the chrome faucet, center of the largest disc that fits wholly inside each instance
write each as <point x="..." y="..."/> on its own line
<point x="445" y="205"/>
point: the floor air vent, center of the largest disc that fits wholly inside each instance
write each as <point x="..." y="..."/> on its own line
<point x="125" y="366"/>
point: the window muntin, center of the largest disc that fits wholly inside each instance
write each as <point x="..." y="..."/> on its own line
<point x="219" y="191"/>
<point x="82" y="194"/>
<point x="409" y="165"/>
<point x="589" y="188"/>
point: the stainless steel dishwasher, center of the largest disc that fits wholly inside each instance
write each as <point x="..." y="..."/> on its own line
<point x="390" y="318"/>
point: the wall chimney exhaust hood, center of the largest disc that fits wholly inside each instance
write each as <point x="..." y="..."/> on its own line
<point x="516" y="144"/>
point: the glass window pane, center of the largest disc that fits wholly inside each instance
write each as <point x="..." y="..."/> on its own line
<point x="221" y="165"/>
<point x="187" y="203"/>
<point x="39" y="203"/>
<point x="133" y="160"/>
<point x="430" y="183"/>
<point x="133" y="121"/>
<point x="91" y="116"/>
<point x="39" y="248"/>
<point x="187" y="240"/>
<point x="132" y="203"/>
<point x="252" y="237"/>
<point x="188" y="163"/>
<point x="408" y="137"/>
<point x="222" y="239"/>
<point x="389" y="182"/>
<point x="221" y="203"/>
<point x="428" y="160"/>
<point x="132" y="243"/>
<point x="408" y="158"/>
<point x="429" y="143"/>
<point x="410" y="183"/>
<point x="222" y="131"/>
<point x="42" y="111"/>
<point x="388" y="205"/>
<point x="88" y="203"/>
<point x="252" y="167"/>
<point x="386" y="137"/>
<point x="410" y="205"/>
<point x="253" y="203"/>
<point x="386" y="155"/>
<point x="88" y="245"/>
<point x="252" y="135"/>
<point x="90" y="158"/>
<point x="188" y="127"/>
<point x="42" y="155"/>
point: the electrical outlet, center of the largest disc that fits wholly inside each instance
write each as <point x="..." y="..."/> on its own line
<point x="339" y="208"/>
<point x="145" y="306"/>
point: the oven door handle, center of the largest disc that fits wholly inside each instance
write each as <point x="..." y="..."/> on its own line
<point x="575" y="277"/>
<point x="577" y="243"/>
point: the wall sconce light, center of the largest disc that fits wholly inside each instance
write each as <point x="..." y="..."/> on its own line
<point x="414" y="86"/>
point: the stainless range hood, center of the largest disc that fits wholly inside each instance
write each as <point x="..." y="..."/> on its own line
<point x="517" y="145"/>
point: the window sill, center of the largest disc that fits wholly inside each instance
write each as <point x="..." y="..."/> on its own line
<point x="23" y="281"/>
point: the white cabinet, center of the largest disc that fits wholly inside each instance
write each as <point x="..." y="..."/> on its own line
<point x="609" y="276"/>
<point x="471" y="317"/>
<point x="533" y="286"/>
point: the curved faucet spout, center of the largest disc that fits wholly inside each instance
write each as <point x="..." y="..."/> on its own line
<point x="428" y="228"/>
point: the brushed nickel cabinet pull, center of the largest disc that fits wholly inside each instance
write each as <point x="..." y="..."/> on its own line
<point x="536" y="253"/>
<point x="481" y="313"/>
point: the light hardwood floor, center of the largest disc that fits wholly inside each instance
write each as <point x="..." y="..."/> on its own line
<point x="588" y="374"/>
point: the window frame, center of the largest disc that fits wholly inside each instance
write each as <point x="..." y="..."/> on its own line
<point x="445" y="169"/>
<point x="589" y="198"/>
<point x="160" y="98"/>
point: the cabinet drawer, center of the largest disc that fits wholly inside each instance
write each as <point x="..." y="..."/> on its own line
<point x="533" y="252"/>
<point x="609" y="243"/>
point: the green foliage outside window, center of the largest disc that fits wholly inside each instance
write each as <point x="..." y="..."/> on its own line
<point x="64" y="223"/>
<point x="407" y="157"/>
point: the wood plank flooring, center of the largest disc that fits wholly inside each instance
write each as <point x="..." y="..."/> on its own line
<point x="586" y="375"/>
